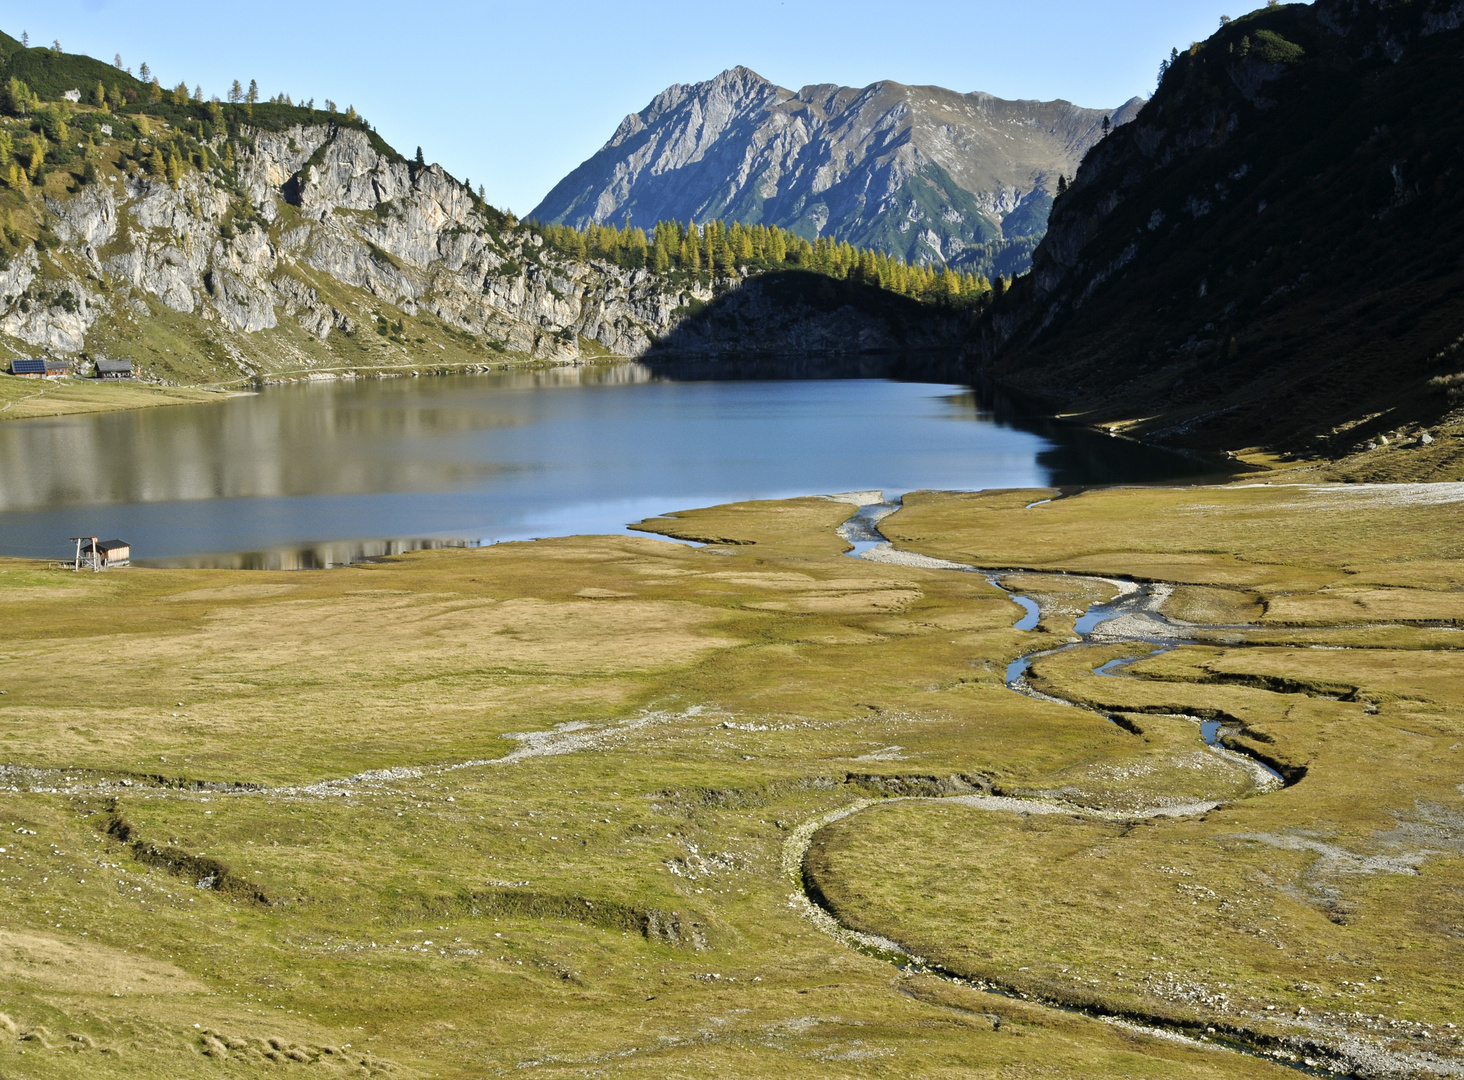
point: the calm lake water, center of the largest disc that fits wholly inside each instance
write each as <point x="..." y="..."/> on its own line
<point x="313" y="475"/>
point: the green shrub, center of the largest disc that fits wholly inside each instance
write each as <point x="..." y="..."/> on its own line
<point x="1452" y="385"/>
<point x="52" y="124"/>
<point x="380" y="257"/>
<point x="1275" y="49"/>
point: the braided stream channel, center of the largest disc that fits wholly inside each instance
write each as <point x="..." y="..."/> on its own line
<point x="1132" y="617"/>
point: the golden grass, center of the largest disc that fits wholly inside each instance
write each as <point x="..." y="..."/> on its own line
<point x="613" y="902"/>
<point x="1328" y="909"/>
<point x="21" y="398"/>
<point x="1205" y="604"/>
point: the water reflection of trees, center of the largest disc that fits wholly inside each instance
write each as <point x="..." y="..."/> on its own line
<point x="316" y="439"/>
<point x="459" y="433"/>
<point x="1078" y="456"/>
<point x="308" y="556"/>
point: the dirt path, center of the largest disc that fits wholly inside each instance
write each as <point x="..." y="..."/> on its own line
<point x="566" y="738"/>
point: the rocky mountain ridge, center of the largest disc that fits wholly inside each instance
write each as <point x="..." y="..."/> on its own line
<point x="1272" y="253"/>
<point x="318" y="251"/>
<point x="921" y="172"/>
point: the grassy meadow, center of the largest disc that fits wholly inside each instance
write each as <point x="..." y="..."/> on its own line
<point x="536" y="808"/>
<point x="22" y="398"/>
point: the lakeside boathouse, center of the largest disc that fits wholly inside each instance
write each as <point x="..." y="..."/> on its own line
<point x="111" y="552"/>
<point x="94" y="554"/>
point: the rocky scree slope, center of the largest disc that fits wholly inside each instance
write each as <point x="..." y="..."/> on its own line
<point x="928" y="174"/>
<point x="1272" y="253"/>
<point x="316" y="250"/>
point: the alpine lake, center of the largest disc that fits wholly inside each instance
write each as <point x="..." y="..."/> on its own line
<point x="318" y="474"/>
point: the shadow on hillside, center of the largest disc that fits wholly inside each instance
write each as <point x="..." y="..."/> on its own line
<point x="911" y="365"/>
<point x="798" y="324"/>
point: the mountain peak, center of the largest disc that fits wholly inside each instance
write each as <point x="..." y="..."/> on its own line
<point x="737" y="74"/>
<point x="922" y="172"/>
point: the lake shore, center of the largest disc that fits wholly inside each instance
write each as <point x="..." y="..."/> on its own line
<point x="24" y="398"/>
<point x="304" y="474"/>
<point x="29" y="399"/>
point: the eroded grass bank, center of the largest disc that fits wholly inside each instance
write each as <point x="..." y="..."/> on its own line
<point x="523" y="808"/>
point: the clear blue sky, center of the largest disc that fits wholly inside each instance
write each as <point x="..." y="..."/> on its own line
<point x="514" y="96"/>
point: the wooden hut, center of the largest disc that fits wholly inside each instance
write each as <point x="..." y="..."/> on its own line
<point x="107" y="553"/>
<point x="114" y="369"/>
<point x="38" y="369"/>
<point x="114" y="553"/>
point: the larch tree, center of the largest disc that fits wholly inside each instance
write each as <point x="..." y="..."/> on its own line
<point x="35" y="156"/>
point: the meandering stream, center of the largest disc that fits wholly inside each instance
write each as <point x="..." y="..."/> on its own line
<point x="1134" y="616"/>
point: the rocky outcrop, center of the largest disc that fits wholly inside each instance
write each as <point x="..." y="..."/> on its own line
<point x="53" y="316"/>
<point x="318" y="234"/>
<point x="917" y="171"/>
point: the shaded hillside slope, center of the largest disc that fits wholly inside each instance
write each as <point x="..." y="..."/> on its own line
<point x="800" y="316"/>
<point x="1271" y="253"/>
<point x="921" y="172"/>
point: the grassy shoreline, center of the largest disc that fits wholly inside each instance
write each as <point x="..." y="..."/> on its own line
<point x="25" y="398"/>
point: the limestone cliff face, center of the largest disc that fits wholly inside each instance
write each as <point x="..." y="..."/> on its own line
<point x="919" y="171"/>
<point x="314" y="251"/>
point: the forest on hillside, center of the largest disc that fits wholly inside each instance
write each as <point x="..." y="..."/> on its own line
<point x="719" y="248"/>
<point x="164" y="134"/>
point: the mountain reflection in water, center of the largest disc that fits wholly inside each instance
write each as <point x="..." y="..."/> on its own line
<point x="322" y="473"/>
